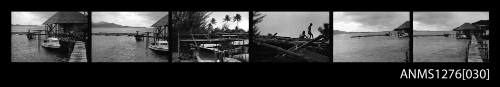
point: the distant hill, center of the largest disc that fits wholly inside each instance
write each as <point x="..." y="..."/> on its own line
<point x="110" y="25"/>
<point x="23" y="25"/>
<point x="345" y="32"/>
<point x="106" y="24"/>
<point x="339" y="32"/>
<point x="430" y="30"/>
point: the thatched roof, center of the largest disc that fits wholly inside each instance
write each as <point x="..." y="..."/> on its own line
<point x="466" y="26"/>
<point x="67" y="17"/>
<point x="482" y="22"/>
<point x="162" y="22"/>
<point x="404" y="26"/>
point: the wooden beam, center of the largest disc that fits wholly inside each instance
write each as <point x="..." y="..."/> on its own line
<point x="279" y="49"/>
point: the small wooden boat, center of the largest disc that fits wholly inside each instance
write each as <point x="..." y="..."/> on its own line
<point x="159" y="46"/>
<point x="462" y="37"/>
<point x="51" y="43"/>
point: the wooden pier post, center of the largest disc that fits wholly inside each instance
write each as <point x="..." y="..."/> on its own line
<point x="147" y="39"/>
<point x="29" y="35"/>
<point x="38" y="36"/>
<point x="137" y="36"/>
<point x="409" y="59"/>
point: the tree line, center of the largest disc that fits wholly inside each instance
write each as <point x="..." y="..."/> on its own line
<point x="195" y="22"/>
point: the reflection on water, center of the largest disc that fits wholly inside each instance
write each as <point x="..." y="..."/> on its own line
<point x="369" y="49"/>
<point x="24" y="50"/>
<point x="123" y="49"/>
<point x="438" y="48"/>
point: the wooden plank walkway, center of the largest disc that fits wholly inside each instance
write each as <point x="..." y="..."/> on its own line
<point x="79" y="53"/>
<point x="473" y="51"/>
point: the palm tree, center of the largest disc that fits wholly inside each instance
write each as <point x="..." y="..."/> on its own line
<point x="237" y="18"/>
<point x="226" y="19"/>
<point x="189" y="21"/>
<point x="212" y="24"/>
<point x="213" y="21"/>
<point x="257" y="18"/>
<point x="210" y="28"/>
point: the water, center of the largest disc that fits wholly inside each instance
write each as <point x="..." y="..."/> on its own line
<point x="439" y="48"/>
<point x="369" y="49"/>
<point x="123" y="49"/>
<point x="121" y="30"/>
<point x="25" y="28"/>
<point x="24" y="50"/>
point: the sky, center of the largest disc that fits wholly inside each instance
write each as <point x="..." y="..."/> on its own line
<point x="30" y="18"/>
<point x="219" y="17"/>
<point x="291" y="24"/>
<point x="135" y="19"/>
<point x="368" y="21"/>
<point x="445" y="21"/>
<point x="146" y="19"/>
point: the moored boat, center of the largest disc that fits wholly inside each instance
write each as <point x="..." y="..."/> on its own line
<point x="159" y="46"/>
<point x="51" y="43"/>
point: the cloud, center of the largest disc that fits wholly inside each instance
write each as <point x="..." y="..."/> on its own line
<point x="433" y="18"/>
<point x="146" y="19"/>
<point x="368" y="21"/>
<point x="291" y="24"/>
<point x="378" y="18"/>
<point x="445" y="21"/>
<point x="427" y="27"/>
<point x="155" y="16"/>
<point x="136" y="19"/>
<point x="30" y="18"/>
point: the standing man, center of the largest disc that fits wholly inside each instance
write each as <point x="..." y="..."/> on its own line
<point x="309" y="32"/>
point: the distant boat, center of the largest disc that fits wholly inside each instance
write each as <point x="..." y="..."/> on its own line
<point x="403" y="35"/>
<point x="159" y="46"/>
<point x="51" y="43"/>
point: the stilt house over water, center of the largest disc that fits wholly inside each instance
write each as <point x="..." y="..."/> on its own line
<point x="161" y="27"/>
<point x="466" y="30"/>
<point x="404" y="29"/>
<point x="67" y="26"/>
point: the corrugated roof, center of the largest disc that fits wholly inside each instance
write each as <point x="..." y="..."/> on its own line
<point x="405" y="25"/>
<point x="466" y="26"/>
<point x="162" y="22"/>
<point x="67" y="17"/>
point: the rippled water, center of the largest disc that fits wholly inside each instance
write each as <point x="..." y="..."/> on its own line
<point x="439" y="48"/>
<point x="369" y="49"/>
<point x="24" y="50"/>
<point x="123" y="49"/>
<point x="121" y="30"/>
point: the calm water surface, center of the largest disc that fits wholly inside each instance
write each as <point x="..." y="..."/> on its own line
<point x="369" y="49"/>
<point x="439" y="48"/>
